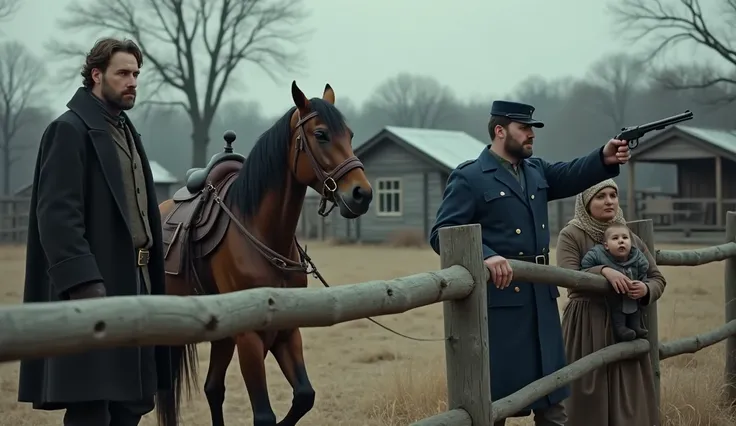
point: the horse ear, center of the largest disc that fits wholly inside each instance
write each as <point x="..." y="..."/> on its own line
<point x="329" y="94"/>
<point x="301" y="101"/>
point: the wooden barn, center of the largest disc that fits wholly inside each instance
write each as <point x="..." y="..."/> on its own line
<point x="408" y="169"/>
<point x="705" y="159"/>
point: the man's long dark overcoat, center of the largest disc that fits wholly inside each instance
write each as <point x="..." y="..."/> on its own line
<point x="525" y="336"/>
<point x="78" y="232"/>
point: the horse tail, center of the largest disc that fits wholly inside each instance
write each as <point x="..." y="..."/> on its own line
<point x="184" y="360"/>
<point x="184" y="363"/>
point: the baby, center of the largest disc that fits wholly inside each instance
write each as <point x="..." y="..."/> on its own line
<point x="617" y="252"/>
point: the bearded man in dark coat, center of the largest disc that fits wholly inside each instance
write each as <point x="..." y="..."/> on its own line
<point x="94" y="231"/>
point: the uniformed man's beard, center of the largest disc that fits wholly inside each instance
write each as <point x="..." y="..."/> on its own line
<point x="517" y="149"/>
<point x="115" y="100"/>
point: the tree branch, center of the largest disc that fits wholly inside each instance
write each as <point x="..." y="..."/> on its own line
<point x="669" y="25"/>
<point x="175" y="34"/>
<point x="8" y="9"/>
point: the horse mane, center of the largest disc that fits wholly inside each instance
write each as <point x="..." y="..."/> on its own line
<point x="265" y="168"/>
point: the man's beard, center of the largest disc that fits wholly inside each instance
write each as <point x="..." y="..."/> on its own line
<point x="116" y="100"/>
<point x="517" y="149"/>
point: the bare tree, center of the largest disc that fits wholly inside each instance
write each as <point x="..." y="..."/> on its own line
<point x="413" y="101"/>
<point x="8" y="8"/>
<point x="670" y="23"/>
<point x="195" y="46"/>
<point x="616" y="79"/>
<point x="20" y="73"/>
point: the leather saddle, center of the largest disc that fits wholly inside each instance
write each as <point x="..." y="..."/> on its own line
<point x="197" y="225"/>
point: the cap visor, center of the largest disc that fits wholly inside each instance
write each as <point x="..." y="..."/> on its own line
<point x="533" y="123"/>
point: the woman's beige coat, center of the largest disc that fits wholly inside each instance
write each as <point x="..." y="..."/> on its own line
<point x="620" y="394"/>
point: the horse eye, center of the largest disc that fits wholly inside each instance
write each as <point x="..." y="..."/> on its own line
<point x="321" y="135"/>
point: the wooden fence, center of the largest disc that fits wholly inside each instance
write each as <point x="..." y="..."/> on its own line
<point x="14" y="219"/>
<point x="47" y="329"/>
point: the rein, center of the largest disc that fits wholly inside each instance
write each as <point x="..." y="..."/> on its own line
<point x="328" y="193"/>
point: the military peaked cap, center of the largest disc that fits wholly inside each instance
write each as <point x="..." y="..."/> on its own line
<point x="521" y="113"/>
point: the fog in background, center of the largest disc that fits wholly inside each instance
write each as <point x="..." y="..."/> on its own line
<point x="588" y="68"/>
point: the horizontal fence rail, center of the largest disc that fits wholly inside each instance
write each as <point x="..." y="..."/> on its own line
<point x="50" y="329"/>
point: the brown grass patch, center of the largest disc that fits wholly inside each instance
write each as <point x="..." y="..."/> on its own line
<point x="366" y="376"/>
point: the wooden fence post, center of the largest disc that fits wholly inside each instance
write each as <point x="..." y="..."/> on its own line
<point x="730" y="290"/>
<point x="645" y="230"/>
<point x="466" y="327"/>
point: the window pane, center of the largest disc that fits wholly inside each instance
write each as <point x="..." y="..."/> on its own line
<point x="397" y="205"/>
<point x="396" y="184"/>
<point x="382" y="203"/>
<point x="389" y="204"/>
<point x="381" y="184"/>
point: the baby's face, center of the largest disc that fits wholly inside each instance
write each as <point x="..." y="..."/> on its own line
<point x="618" y="242"/>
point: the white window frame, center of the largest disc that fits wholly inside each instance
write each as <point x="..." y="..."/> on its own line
<point x="399" y="191"/>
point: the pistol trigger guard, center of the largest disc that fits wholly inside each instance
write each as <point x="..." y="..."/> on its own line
<point x="633" y="143"/>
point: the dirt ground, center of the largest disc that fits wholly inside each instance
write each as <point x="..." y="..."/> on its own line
<point x="364" y="375"/>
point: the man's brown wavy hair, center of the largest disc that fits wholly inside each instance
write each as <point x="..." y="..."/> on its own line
<point x="100" y="54"/>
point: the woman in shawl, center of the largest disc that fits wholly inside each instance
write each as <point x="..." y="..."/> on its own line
<point x="621" y="394"/>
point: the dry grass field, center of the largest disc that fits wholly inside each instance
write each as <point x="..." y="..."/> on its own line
<point x="367" y="376"/>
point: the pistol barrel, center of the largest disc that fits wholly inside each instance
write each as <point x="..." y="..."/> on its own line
<point x="669" y="121"/>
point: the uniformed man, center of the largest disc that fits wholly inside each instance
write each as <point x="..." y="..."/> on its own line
<point x="94" y="231"/>
<point x="506" y="191"/>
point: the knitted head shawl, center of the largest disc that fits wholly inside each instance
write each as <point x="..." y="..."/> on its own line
<point x="583" y="220"/>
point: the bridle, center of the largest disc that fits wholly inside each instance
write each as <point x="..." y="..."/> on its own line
<point x="328" y="179"/>
<point x="329" y="193"/>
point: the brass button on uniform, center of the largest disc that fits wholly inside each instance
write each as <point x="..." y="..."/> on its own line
<point x="542" y="226"/>
<point x="516" y="289"/>
<point x="521" y="253"/>
<point x="502" y="193"/>
<point x="518" y="231"/>
<point x="532" y="197"/>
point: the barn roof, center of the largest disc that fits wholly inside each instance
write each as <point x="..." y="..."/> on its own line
<point x="721" y="142"/>
<point x="161" y="175"/>
<point x="448" y="148"/>
<point x="724" y="139"/>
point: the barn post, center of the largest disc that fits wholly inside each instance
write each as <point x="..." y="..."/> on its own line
<point x="730" y="290"/>
<point x="645" y="230"/>
<point x="466" y="327"/>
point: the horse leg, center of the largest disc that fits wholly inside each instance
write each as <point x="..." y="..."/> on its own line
<point x="221" y="353"/>
<point x="289" y="354"/>
<point x="252" y="356"/>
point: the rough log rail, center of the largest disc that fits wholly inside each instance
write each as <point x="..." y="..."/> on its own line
<point x="48" y="329"/>
<point x="696" y="257"/>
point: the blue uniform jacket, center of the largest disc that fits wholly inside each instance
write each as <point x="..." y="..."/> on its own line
<point x="525" y="336"/>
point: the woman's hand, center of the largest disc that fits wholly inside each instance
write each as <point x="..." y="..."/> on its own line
<point x="621" y="283"/>
<point x="637" y="290"/>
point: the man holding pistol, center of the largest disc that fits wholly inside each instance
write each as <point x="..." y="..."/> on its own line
<point x="506" y="191"/>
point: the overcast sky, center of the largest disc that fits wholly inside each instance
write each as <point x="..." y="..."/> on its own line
<point x="376" y="39"/>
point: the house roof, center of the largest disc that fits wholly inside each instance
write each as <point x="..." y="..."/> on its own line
<point x="448" y="148"/>
<point x="721" y="141"/>
<point x="724" y="139"/>
<point x="161" y="175"/>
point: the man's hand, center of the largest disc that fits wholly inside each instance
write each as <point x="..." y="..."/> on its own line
<point x="88" y="291"/>
<point x="500" y="269"/>
<point x="616" y="152"/>
<point x="637" y="290"/>
<point x="621" y="283"/>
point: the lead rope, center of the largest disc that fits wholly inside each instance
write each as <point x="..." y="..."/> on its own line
<point x="315" y="273"/>
<point x="286" y="264"/>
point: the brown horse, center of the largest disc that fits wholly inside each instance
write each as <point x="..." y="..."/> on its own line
<point x="253" y="245"/>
